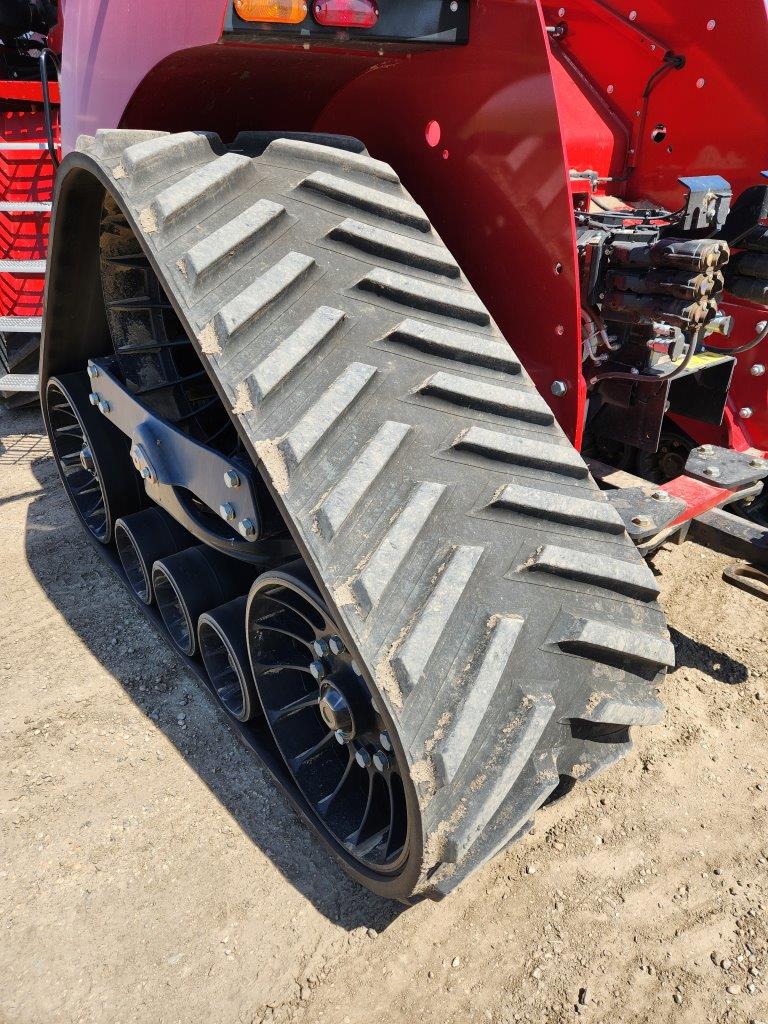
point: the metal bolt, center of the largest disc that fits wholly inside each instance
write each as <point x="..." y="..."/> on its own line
<point x="104" y="407"/>
<point x="147" y="474"/>
<point x="227" y="511"/>
<point x="642" y="521"/>
<point x="558" y="388"/>
<point x="318" y="670"/>
<point x="761" y="325"/>
<point x="341" y="739"/>
<point x="93" y="398"/>
<point x="321" y="648"/>
<point x="362" y="757"/>
<point x="356" y="669"/>
<point x="707" y="449"/>
<point x="92" y="371"/>
<point x="758" y="463"/>
<point x="380" y="761"/>
<point x="712" y="471"/>
<point x="745" y="412"/>
<point x="336" y="645"/>
<point x="660" y="496"/>
<point x="247" y="528"/>
<point x="385" y="741"/>
<point x="757" y="370"/>
<point x="231" y="479"/>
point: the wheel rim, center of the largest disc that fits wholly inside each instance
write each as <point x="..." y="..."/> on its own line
<point x="133" y="566"/>
<point x="173" y="611"/>
<point x="79" y="468"/>
<point x="224" y="670"/>
<point x="325" y="725"/>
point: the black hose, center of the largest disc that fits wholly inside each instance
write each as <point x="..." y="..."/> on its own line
<point x="647" y="378"/>
<point x="45" y="56"/>
<point x="761" y="335"/>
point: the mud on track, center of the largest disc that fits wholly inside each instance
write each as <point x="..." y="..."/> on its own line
<point x="150" y="872"/>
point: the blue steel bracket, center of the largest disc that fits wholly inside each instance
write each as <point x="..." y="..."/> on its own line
<point x="175" y="466"/>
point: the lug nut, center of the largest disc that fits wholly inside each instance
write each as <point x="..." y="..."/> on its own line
<point x="104" y="407"/>
<point x="341" y="739"/>
<point x="231" y="479"/>
<point x="321" y="648"/>
<point x="757" y="370"/>
<point x="227" y="511"/>
<point x="642" y="521"/>
<point x="92" y="371"/>
<point x="380" y="761"/>
<point x="362" y="757"/>
<point x="318" y="670"/>
<point x="336" y="645"/>
<point x="558" y="388"/>
<point x="712" y="471"/>
<point x="385" y="741"/>
<point x="147" y="474"/>
<point x="93" y="398"/>
<point x="247" y="528"/>
<point x="745" y="412"/>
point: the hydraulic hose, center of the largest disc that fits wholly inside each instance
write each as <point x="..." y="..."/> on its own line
<point x="762" y="334"/>
<point x="45" y="56"/>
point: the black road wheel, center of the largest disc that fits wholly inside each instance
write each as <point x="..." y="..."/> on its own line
<point x="91" y="456"/>
<point x="331" y="734"/>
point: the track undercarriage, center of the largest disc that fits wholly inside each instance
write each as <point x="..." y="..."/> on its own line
<point x="287" y="420"/>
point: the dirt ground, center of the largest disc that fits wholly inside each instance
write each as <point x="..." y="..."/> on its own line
<point x="151" y="872"/>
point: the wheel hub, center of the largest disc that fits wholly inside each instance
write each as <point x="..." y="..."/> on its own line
<point x="335" y="711"/>
<point x="86" y="460"/>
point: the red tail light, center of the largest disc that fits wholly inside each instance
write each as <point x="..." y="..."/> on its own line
<point x="346" y="13"/>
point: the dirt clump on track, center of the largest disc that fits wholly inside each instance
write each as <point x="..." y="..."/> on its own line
<point x="150" y="871"/>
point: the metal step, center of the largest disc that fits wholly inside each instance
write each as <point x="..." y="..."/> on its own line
<point x="18" y="382"/>
<point x="20" y="207"/>
<point x="21" y="324"/>
<point x="6" y="147"/>
<point x="22" y="266"/>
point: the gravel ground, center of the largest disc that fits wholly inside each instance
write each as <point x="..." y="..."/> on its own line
<point x="151" y="872"/>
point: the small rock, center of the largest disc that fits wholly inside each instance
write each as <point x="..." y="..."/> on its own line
<point x="536" y="973"/>
<point x="717" y="871"/>
<point x="678" y="998"/>
<point x="372" y="933"/>
<point x="456" y="962"/>
<point x="733" y="990"/>
<point x="531" y="869"/>
<point x="585" y="996"/>
<point x="726" y="965"/>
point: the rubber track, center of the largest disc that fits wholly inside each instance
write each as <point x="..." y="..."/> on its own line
<point x="490" y="592"/>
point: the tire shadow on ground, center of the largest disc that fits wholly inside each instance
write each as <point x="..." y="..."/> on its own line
<point x="97" y="608"/>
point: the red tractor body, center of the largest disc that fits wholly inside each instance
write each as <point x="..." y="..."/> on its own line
<point x="486" y="133"/>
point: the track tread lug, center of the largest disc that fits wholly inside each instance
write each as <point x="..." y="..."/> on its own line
<point x="361" y="197"/>
<point x="454" y="303"/>
<point x="339" y="160"/>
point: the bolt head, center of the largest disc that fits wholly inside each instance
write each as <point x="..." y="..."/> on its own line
<point x="341" y="739"/>
<point x="362" y="757"/>
<point x="642" y="521"/>
<point x="660" y="496"/>
<point x="745" y="412"/>
<point x="227" y="511"/>
<point x="336" y="645"/>
<point x="558" y="388"/>
<point x="247" y="528"/>
<point x="104" y="407"/>
<point x="231" y="479"/>
<point x="380" y="761"/>
<point x="318" y="670"/>
<point x="92" y="371"/>
<point x="321" y="648"/>
<point x="758" y="463"/>
<point x="385" y="741"/>
<point x="93" y="398"/>
<point x="86" y="459"/>
<point x="757" y="370"/>
<point x="146" y="473"/>
<point x="712" y="471"/>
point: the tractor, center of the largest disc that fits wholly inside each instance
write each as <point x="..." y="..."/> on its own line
<point x="383" y="343"/>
